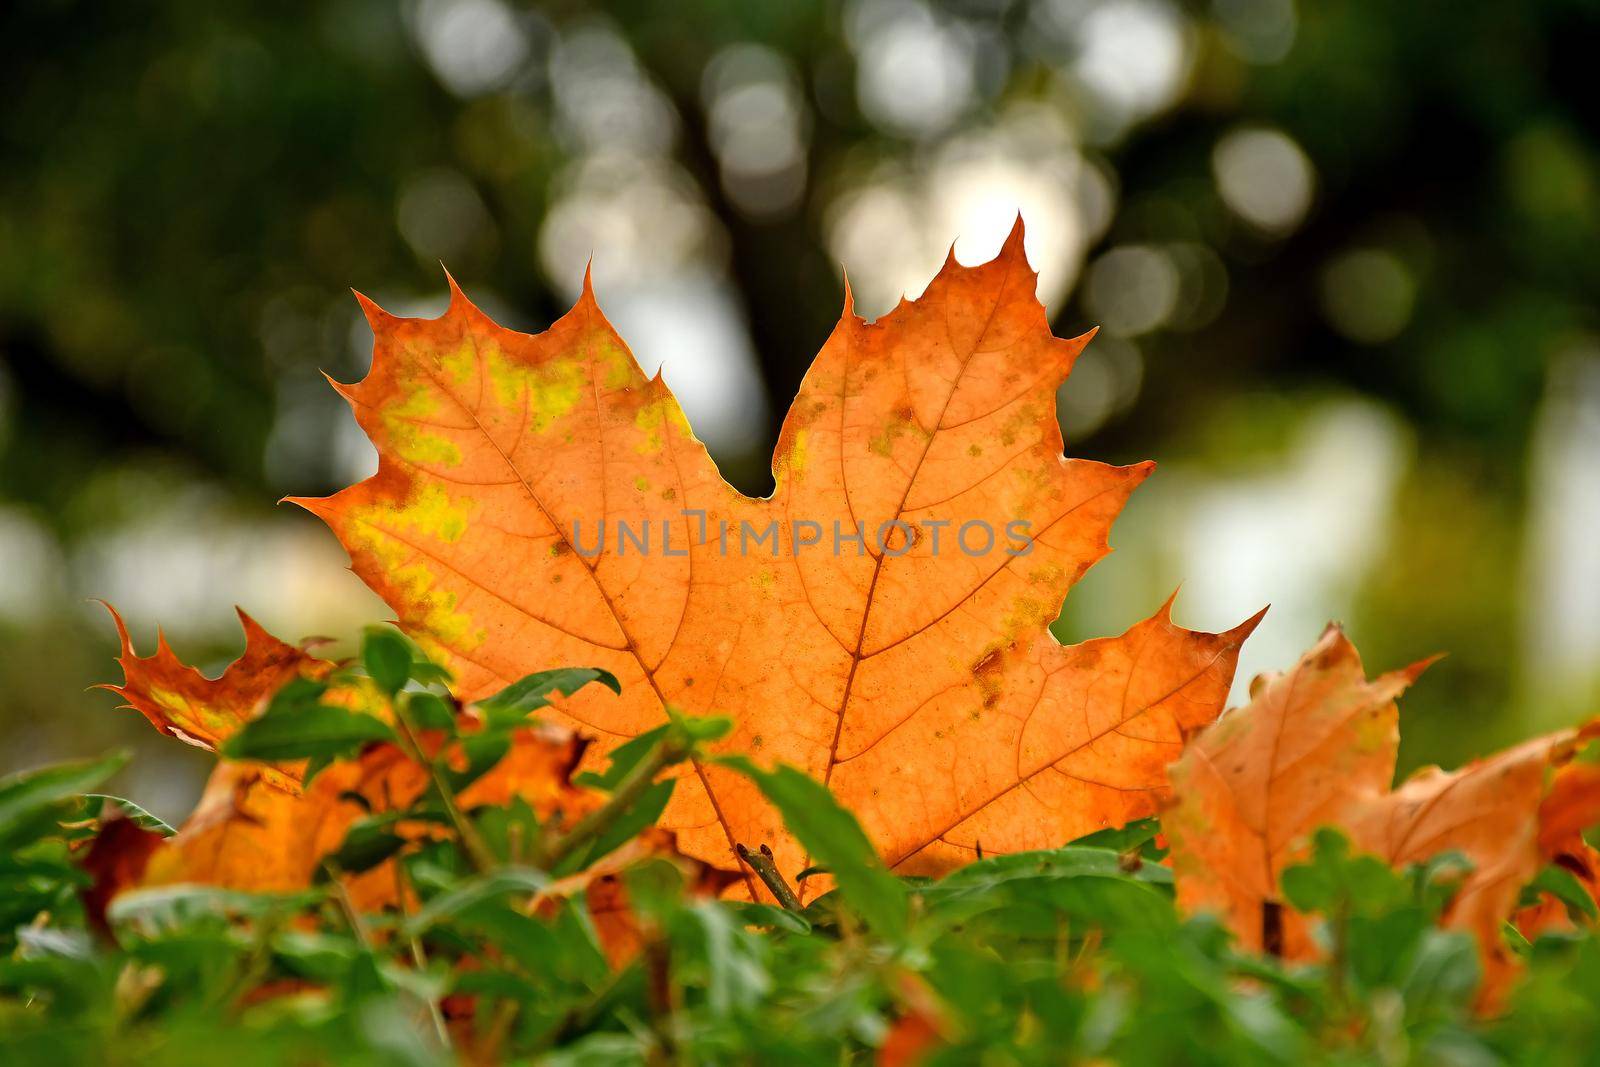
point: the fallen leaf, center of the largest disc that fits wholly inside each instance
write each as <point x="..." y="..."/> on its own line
<point x="1313" y="745"/>
<point x="921" y="1028"/>
<point x="1489" y="811"/>
<point x="1570" y="807"/>
<point x="1316" y="747"/>
<point x="251" y="832"/>
<point x="257" y="828"/>
<point x="1573" y="803"/>
<point x="914" y="675"/>
<point x="602" y="885"/>
<point x="183" y="703"/>
<point x="116" y="860"/>
<point x="1550" y="913"/>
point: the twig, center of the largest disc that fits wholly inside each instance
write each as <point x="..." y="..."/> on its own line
<point x="477" y="851"/>
<point x="627" y="793"/>
<point x="766" y="868"/>
<point x="580" y="1017"/>
<point x="419" y="958"/>
<point x="505" y="1013"/>
<point x="347" y="906"/>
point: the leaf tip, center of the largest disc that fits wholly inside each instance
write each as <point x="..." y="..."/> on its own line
<point x="1164" y="612"/>
<point x="1411" y="672"/>
<point x="122" y="627"/>
<point x="344" y="390"/>
<point x="586" y="298"/>
<point x="459" y="304"/>
<point x="1012" y="251"/>
<point x="1248" y="627"/>
<point x="376" y="316"/>
<point x="254" y="633"/>
<point x="320" y="506"/>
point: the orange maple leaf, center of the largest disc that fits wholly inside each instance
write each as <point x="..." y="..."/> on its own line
<point x="181" y="702"/>
<point x="1313" y="745"/>
<point x="865" y="623"/>
<point x="257" y="828"/>
<point x="1316" y="746"/>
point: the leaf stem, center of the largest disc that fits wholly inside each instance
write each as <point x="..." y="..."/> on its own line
<point x="419" y="958"/>
<point x="668" y="750"/>
<point x="347" y="907"/>
<point x="471" y="841"/>
<point x="766" y="868"/>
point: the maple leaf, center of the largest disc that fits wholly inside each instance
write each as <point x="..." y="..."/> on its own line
<point x="913" y="675"/>
<point x="115" y="860"/>
<point x="1312" y="745"/>
<point x="248" y="832"/>
<point x="1316" y="746"/>
<point x="257" y="827"/>
<point x="181" y="702"/>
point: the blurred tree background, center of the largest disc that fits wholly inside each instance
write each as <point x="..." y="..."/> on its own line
<point x="1342" y="255"/>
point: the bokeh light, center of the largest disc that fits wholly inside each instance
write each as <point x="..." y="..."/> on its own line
<point x="1264" y="178"/>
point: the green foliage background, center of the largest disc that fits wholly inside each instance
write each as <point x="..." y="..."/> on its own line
<point x="1062" y="956"/>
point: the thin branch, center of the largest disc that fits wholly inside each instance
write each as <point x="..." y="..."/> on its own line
<point x="766" y="867"/>
<point x="419" y="958"/>
<point x="668" y="751"/>
<point x="477" y="851"/>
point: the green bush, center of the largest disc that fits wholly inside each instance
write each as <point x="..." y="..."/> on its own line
<point x="1070" y="955"/>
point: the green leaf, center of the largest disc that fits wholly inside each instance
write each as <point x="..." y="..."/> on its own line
<point x="386" y="654"/>
<point x="1139" y="834"/>
<point x="642" y="814"/>
<point x="700" y="728"/>
<point x="29" y="792"/>
<point x="175" y="906"/>
<point x="430" y="711"/>
<point x="833" y="837"/>
<point x="317" y="956"/>
<point x="1565" y="887"/>
<point x="366" y="844"/>
<point x="297" y="692"/>
<point x="1334" y="878"/>
<point x="300" y="731"/>
<point x="427" y="672"/>
<point x="624" y="758"/>
<point x="95" y="803"/>
<point x="1031" y="893"/>
<point x="473" y="891"/>
<point x="513" y="703"/>
<point x="735" y="979"/>
<point x="755" y="913"/>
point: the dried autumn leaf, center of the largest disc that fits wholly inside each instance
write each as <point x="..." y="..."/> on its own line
<point x="1573" y="803"/>
<point x="115" y="860"/>
<point x="1316" y="747"/>
<point x="1570" y="807"/>
<point x="257" y="828"/>
<point x="1312" y="746"/>
<point x="183" y="703"/>
<point x="1489" y="811"/>
<point x="615" y="921"/>
<point x="917" y="679"/>
<point x="249" y="832"/>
